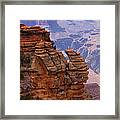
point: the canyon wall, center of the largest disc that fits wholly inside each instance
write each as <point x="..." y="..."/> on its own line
<point x="45" y="74"/>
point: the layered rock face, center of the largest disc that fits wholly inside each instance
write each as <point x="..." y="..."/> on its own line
<point x="44" y="72"/>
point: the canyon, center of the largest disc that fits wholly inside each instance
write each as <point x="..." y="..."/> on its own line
<point x="45" y="74"/>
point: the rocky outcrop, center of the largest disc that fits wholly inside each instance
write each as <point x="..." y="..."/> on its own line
<point x="44" y="72"/>
<point x="94" y="90"/>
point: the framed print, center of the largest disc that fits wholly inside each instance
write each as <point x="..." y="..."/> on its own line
<point x="60" y="60"/>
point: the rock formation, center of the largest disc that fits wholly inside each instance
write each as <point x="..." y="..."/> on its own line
<point x="44" y="72"/>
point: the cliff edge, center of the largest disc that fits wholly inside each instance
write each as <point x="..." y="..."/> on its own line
<point x="44" y="72"/>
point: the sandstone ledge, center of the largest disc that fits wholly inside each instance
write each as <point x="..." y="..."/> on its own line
<point x="45" y="74"/>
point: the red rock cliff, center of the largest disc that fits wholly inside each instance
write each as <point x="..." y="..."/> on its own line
<point x="44" y="73"/>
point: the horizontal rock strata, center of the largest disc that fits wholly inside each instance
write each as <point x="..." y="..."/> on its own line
<point x="44" y="72"/>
